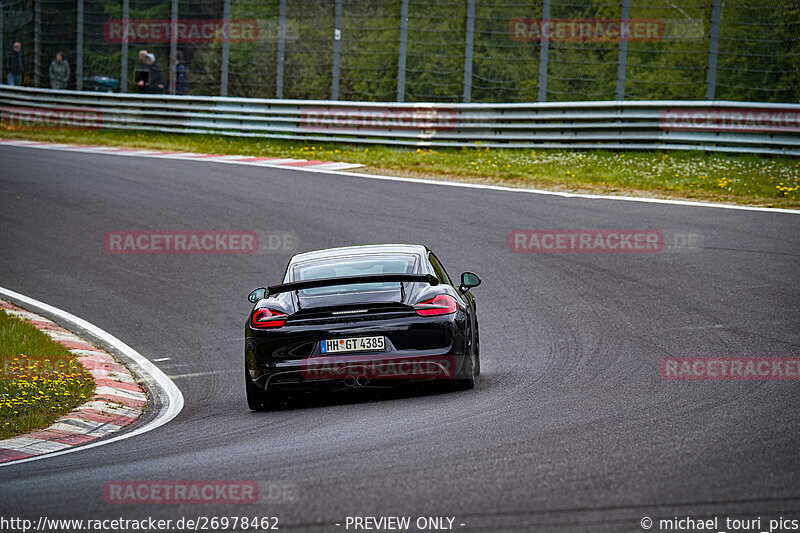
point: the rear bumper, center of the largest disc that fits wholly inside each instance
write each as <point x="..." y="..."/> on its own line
<point x="417" y="349"/>
<point x="370" y="370"/>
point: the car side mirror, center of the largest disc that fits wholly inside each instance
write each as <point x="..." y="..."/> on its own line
<point x="469" y="280"/>
<point x="257" y="294"/>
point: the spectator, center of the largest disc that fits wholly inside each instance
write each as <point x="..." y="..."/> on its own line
<point x="15" y="64"/>
<point x="142" y="72"/>
<point x="155" y="85"/>
<point x="180" y="74"/>
<point x="59" y="72"/>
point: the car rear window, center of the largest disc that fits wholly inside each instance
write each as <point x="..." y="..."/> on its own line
<point x="354" y="266"/>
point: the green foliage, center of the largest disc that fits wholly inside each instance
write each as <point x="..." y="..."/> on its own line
<point x="758" y="52"/>
<point x="40" y="380"/>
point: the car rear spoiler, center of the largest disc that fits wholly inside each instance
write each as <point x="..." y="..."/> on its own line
<point x="351" y="280"/>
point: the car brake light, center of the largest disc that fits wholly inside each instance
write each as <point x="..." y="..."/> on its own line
<point x="440" y="305"/>
<point x="267" y="318"/>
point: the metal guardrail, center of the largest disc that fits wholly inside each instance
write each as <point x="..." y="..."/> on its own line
<point x="677" y="125"/>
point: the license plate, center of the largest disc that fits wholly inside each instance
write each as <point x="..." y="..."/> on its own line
<point x="354" y="344"/>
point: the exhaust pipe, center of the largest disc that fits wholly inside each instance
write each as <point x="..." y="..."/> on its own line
<point x="349" y="381"/>
<point x="362" y="380"/>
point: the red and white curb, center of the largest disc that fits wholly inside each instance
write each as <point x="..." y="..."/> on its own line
<point x="118" y="400"/>
<point x="187" y="156"/>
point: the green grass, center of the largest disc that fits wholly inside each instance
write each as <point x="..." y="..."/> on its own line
<point x="40" y="379"/>
<point x="738" y="179"/>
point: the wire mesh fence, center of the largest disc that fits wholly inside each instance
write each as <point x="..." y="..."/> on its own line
<point x="489" y="51"/>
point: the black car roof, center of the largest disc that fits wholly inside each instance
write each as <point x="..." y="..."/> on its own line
<point x="370" y="249"/>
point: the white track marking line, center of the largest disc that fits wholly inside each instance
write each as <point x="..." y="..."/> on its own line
<point x="337" y="166"/>
<point x="197" y="374"/>
<point x="442" y="183"/>
<point x="502" y="188"/>
<point x="169" y="394"/>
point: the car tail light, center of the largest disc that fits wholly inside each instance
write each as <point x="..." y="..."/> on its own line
<point x="440" y="305"/>
<point x="267" y="318"/>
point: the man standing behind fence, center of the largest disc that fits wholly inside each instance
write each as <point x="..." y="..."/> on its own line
<point x="15" y="64"/>
<point x="59" y="72"/>
<point x="155" y="84"/>
<point x="142" y="72"/>
<point x="180" y="74"/>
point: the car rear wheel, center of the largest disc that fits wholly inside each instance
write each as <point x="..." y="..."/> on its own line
<point x="274" y="400"/>
<point x="261" y="400"/>
<point x="256" y="398"/>
<point x="466" y="380"/>
<point x="477" y="371"/>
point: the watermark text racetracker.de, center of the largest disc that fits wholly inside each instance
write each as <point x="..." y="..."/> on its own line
<point x="51" y="117"/>
<point x="344" y="367"/>
<point x="585" y="30"/>
<point x="722" y="119"/>
<point x="197" y="242"/>
<point x="149" y="524"/>
<point x="602" y="241"/>
<point x="180" y="492"/>
<point x="585" y="241"/>
<point x="730" y="368"/>
<point x="187" y="31"/>
<point x="184" y="492"/>
<point x="417" y="117"/>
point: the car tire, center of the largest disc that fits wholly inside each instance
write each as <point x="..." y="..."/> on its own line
<point x="467" y="381"/>
<point x="273" y="400"/>
<point x="261" y="400"/>
<point x="477" y="371"/>
<point x="256" y="398"/>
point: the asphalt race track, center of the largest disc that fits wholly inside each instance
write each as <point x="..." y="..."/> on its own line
<point x="569" y="428"/>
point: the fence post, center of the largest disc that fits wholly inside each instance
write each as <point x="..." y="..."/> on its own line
<point x="123" y="75"/>
<point x="337" y="48"/>
<point x="622" y="59"/>
<point x="543" y="48"/>
<point x="79" y="48"/>
<point x="468" y="48"/>
<point x="713" y="49"/>
<point x="37" y="43"/>
<point x="281" y="49"/>
<point x="173" y="46"/>
<point x="226" y="48"/>
<point x="401" y="52"/>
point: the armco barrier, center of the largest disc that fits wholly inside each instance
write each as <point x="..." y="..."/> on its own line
<point x="685" y="125"/>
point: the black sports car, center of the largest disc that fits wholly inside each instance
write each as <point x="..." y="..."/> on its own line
<point x="361" y="316"/>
